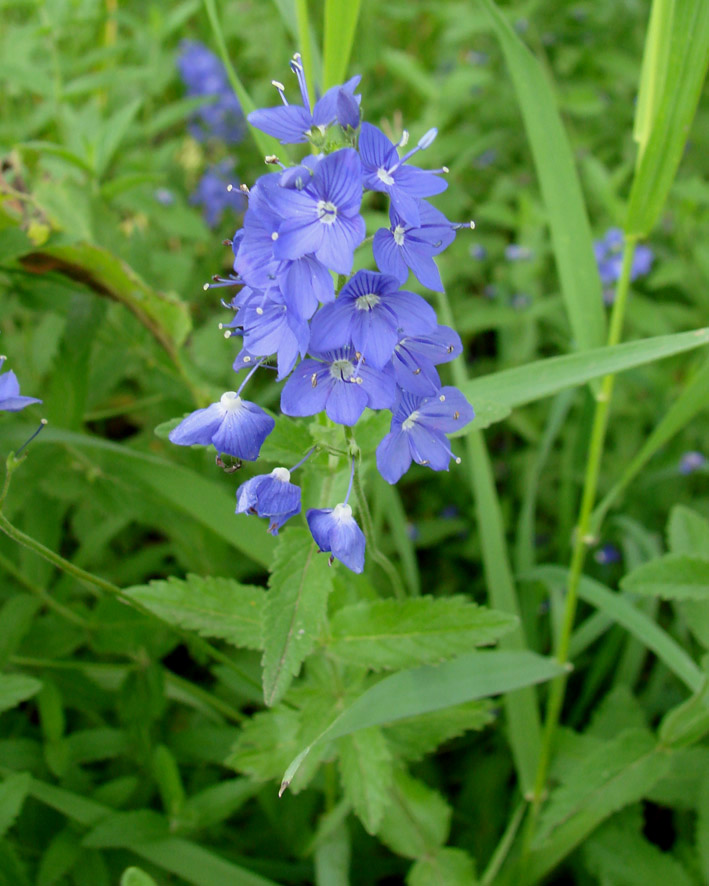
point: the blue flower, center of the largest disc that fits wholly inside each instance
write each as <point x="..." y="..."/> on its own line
<point x="335" y="530"/>
<point x="233" y="426"/>
<point x="405" y="246"/>
<point x="368" y="313"/>
<point x="338" y="383"/>
<point x="416" y="356"/>
<point x="270" y="495"/>
<point x="515" y="252"/>
<point x="297" y="123"/>
<point x="205" y="76"/>
<point x="689" y="463"/>
<point x="609" y="257"/>
<point x="270" y="327"/>
<point x="10" y="398"/>
<point x="323" y="218"/>
<point x="607" y="554"/>
<point x="418" y="432"/>
<point x="384" y="170"/>
<point x="213" y="194"/>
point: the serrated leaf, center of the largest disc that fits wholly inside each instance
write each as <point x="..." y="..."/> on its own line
<point x="15" y="688"/>
<point x="413" y="738"/>
<point x="214" y="607"/>
<point x="12" y="795"/>
<point x="288" y="441"/>
<point x="617" y="773"/>
<point x="417" y="821"/>
<point x="672" y="577"/>
<point x="447" y="867"/>
<point x="688" y="532"/>
<point x="397" y="634"/>
<point x="366" y="772"/>
<point x="295" y="610"/>
<point x="266" y="744"/>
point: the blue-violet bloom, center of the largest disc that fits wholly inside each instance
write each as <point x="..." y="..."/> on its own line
<point x="335" y="530"/>
<point x="609" y="257"/>
<point x="10" y="397"/>
<point x="233" y="426"/>
<point x="270" y="495"/>
<point x="416" y="356"/>
<point x="213" y="195"/>
<point x="368" y="313"/>
<point x="689" y="463"/>
<point x="418" y="432"/>
<point x="205" y="76"/>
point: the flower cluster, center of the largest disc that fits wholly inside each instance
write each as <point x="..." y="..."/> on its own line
<point x="10" y="398"/>
<point x="215" y="196"/>
<point x="609" y="257"/>
<point x="205" y="77"/>
<point x="365" y="343"/>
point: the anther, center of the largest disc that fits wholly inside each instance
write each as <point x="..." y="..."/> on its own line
<point x="247" y="359"/>
<point x="227" y="334"/>
<point x="227" y="243"/>
<point x="404" y="139"/>
<point x="445" y="169"/>
<point x="417" y="371"/>
<point x="358" y="380"/>
<point x="279" y="86"/>
<point x="456" y="415"/>
<point x="259" y="311"/>
<point x="451" y="348"/>
<point x="244" y="189"/>
<point x="230" y="188"/>
<point x="425" y="461"/>
<point x="272" y="160"/>
<point x="314" y="380"/>
<point x="458" y="460"/>
<point x="274" y="236"/>
<point x="205" y="287"/>
<point x="442" y="398"/>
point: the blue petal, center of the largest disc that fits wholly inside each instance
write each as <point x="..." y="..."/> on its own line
<point x="289" y="123"/>
<point x="414" y="314"/>
<point x="406" y="205"/>
<point x="347" y="544"/>
<point x="380" y="387"/>
<point x="419" y="183"/>
<point x="297" y="237"/>
<point x="339" y="179"/>
<point x="305" y="283"/>
<point x="247" y="495"/>
<point x="300" y="396"/>
<point x="199" y="427"/>
<point x="415" y="372"/>
<point x="428" y="446"/>
<point x="388" y="255"/>
<point x="424" y="268"/>
<point x="374" y="335"/>
<point x="320" y="522"/>
<point x="339" y="241"/>
<point x="243" y="431"/>
<point x="393" y="456"/>
<point x="375" y="149"/>
<point x="346" y="402"/>
<point x="329" y="328"/>
<point x="449" y="414"/>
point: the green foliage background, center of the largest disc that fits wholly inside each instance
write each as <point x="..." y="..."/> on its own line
<point x="153" y="693"/>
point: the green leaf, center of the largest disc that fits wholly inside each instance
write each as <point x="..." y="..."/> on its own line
<point x="127" y="829"/>
<point x="417" y="821"/>
<point x="15" y="688"/>
<point x="16" y="618"/>
<point x="672" y="577"/>
<point x="367" y="774"/>
<point x="332" y="858"/>
<point x="112" y="132"/>
<point x="136" y="877"/>
<point x="622" y="611"/>
<point x="560" y="186"/>
<point x="671" y="111"/>
<point x="687" y="531"/>
<point x="447" y="867"/>
<point x="287" y="442"/>
<point x="397" y="634"/>
<point x="295" y="610"/>
<point x="525" y="384"/>
<point x="703" y="826"/>
<point x="214" y="607"/>
<point x="414" y="737"/>
<point x="219" y="801"/>
<point x="687" y="723"/>
<point x="163" y="314"/>
<point x="614" y="775"/>
<point x="417" y="691"/>
<point x="340" y="26"/>
<point x="13" y="791"/>
<point x="266" y="744"/>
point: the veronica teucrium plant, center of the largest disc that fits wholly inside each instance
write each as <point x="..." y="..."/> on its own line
<point x="342" y="342"/>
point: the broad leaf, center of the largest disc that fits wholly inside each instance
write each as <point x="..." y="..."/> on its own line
<point x="136" y="877"/>
<point x="417" y="820"/>
<point x="366" y="772"/>
<point x="12" y="795"/>
<point x="687" y="532"/>
<point x="672" y="577"/>
<point x="214" y="607"/>
<point x="15" y="688"/>
<point x="452" y="867"/>
<point x="415" y="737"/>
<point x="403" y="633"/>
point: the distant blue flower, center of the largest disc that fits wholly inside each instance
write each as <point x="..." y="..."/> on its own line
<point x="297" y="123"/>
<point x="418" y="432"/>
<point x="416" y="357"/>
<point x="383" y="170"/>
<point x="270" y="495"/>
<point x="405" y="246"/>
<point x="368" y="313"/>
<point x="339" y="384"/>
<point x="205" y="76"/>
<point x="213" y="194"/>
<point x="487" y="158"/>
<point x="164" y="196"/>
<point x="10" y="398"/>
<point x="609" y="257"/>
<point x="233" y="426"/>
<point x="478" y="251"/>
<point x="690" y="462"/>
<point x="607" y="554"/>
<point x="515" y="252"/>
<point x="323" y="219"/>
<point x="336" y="530"/>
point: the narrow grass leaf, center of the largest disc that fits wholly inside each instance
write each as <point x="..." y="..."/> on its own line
<point x="687" y="723"/>
<point x="672" y="577"/>
<point x="534" y="381"/>
<point x="403" y="633"/>
<point x="559" y="182"/>
<point x="214" y="607"/>
<point x="687" y="58"/>
<point x="295" y="610"/>
<point x="340" y="27"/>
<point x="431" y="688"/>
<point x="621" y="610"/>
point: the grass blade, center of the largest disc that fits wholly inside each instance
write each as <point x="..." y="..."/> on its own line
<point x="559" y="183"/>
<point x="340" y="26"/>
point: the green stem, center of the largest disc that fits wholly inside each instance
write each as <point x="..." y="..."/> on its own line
<point x="46" y="598"/>
<point x="582" y="539"/>
<point x="503" y="847"/>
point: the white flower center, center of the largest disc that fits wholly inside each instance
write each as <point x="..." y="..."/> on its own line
<point x="230" y="401"/>
<point x="399" y="235"/>
<point x="282" y="474"/>
<point x="384" y="176"/>
<point x="327" y="212"/>
<point x="367" y="302"/>
<point x="341" y="370"/>
<point x="342" y="513"/>
<point x="408" y="423"/>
